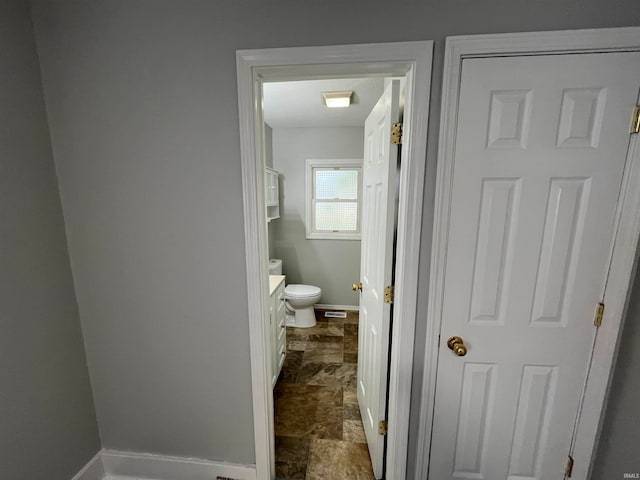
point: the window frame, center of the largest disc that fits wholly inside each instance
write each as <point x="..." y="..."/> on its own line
<point x="347" y="164"/>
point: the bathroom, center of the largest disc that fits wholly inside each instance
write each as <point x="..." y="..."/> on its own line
<point x="314" y="153"/>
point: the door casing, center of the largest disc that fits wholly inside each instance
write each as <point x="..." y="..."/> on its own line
<point x="410" y="59"/>
<point x="627" y="228"/>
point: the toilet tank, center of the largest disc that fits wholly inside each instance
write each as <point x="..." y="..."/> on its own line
<point x="275" y="266"/>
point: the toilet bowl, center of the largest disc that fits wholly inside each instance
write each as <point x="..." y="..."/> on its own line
<point x="299" y="302"/>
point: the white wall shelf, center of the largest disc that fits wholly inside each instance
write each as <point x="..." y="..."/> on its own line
<point x="271" y="193"/>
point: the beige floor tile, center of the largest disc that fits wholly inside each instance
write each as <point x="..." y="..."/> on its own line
<point x="350" y="395"/>
<point x="338" y="460"/>
<point x="318" y="426"/>
<point x="351" y="411"/>
<point x="320" y="373"/>
<point x="353" y="431"/>
<point x="323" y="352"/>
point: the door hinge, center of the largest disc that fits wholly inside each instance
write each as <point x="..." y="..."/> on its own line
<point x="597" y="320"/>
<point x="396" y="133"/>
<point x="388" y="294"/>
<point x="635" y="120"/>
<point x="568" y="467"/>
<point x="382" y="427"/>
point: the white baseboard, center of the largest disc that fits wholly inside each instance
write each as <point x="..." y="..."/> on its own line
<point x="325" y="306"/>
<point x="93" y="470"/>
<point x="114" y="465"/>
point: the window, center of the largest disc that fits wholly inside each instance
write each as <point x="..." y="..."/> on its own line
<point x="333" y="199"/>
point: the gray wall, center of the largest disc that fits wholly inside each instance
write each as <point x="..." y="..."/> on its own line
<point x="143" y="112"/>
<point x="146" y="151"/>
<point x="619" y="449"/>
<point x="332" y="265"/>
<point x="48" y="429"/>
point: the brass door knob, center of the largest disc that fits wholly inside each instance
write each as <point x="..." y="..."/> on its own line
<point x="457" y="345"/>
<point x="357" y="287"/>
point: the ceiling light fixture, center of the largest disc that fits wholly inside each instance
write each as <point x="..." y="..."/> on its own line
<point x="337" y="99"/>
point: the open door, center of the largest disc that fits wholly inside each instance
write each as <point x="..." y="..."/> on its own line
<point x="376" y="265"/>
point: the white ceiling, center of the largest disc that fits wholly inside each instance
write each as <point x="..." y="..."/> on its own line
<point x="300" y="103"/>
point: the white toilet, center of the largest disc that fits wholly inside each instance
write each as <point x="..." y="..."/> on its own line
<point x="300" y="300"/>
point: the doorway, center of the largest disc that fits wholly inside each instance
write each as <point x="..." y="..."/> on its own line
<point x="345" y="233"/>
<point x="256" y="67"/>
<point x="323" y="217"/>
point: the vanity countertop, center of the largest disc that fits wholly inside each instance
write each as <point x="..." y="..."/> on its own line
<point x="274" y="281"/>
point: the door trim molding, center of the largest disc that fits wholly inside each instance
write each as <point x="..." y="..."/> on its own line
<point x="624" y="250"/>
<point x="412" y="59"/>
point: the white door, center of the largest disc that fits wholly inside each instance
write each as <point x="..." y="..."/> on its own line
<point x="540" y="152"/>
<point x="376" y="263"/>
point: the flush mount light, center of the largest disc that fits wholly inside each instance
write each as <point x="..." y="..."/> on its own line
<point x="337" y="99"/>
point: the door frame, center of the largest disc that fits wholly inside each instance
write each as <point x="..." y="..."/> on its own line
<point x="627" y="228"/>
<point x="412" y="59"/>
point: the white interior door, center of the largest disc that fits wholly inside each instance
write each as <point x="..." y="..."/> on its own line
<point x="540" y="151"/>
<point x="378" y="204"/>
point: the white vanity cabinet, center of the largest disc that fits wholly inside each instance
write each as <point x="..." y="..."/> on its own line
<point x="271" y="193"/>
<point x="278" y="329"/>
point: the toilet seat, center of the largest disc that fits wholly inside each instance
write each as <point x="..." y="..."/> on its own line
<point x="301" y="291"/>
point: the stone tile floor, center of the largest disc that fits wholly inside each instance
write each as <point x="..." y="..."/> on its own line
<point x="319" y="432"/>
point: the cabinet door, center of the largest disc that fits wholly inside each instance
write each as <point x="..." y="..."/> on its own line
<point x="271" y="188"/>
<point x="273" y="360"/>
<point x="278" y="336"/>
<point x="267" y="187"/>
<point x="281" y="327"/>
<point x="274" y="190"/>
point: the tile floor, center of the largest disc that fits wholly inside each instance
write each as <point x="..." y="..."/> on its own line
<point x="319" y="433"/>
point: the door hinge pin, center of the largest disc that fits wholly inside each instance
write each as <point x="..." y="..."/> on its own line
<point x="388" y="294"/>
<point x="396" y="133"/>
<point x="569" y="467"/>
<point x="597" y="320"/>
<point x="635" y="120"/>
<point x="382" y="427"/>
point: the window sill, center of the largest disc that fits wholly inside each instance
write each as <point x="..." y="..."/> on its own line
<point x="333" y="236"/>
